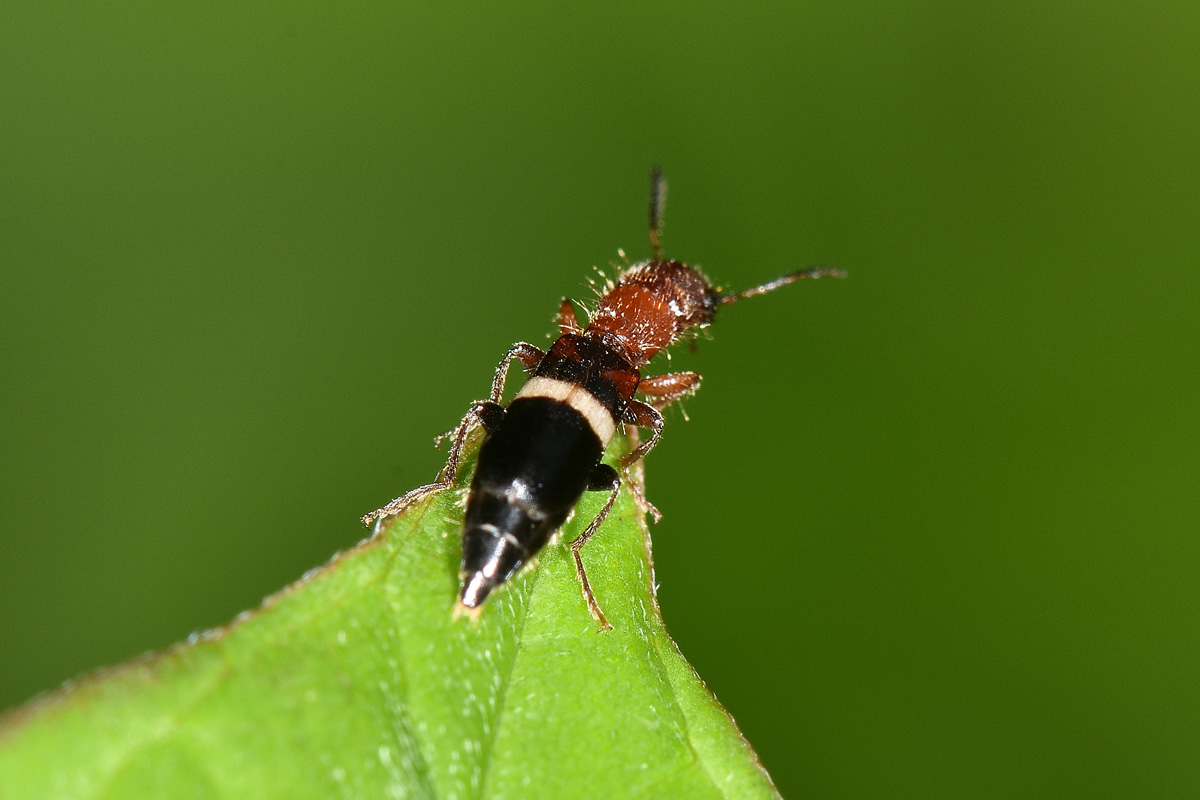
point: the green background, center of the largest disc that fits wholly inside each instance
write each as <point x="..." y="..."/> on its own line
<point x="933" y="531"/>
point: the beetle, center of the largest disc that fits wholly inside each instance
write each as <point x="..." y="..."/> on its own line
<point x="542" y="451"/>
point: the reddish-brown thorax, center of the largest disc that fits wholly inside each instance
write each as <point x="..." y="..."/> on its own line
<point x="651" y="306"/>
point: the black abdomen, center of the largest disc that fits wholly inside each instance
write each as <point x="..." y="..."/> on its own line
<point x="532" y="470"/>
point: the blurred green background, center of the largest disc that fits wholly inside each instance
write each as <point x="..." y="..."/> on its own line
<point x="930" y="532"/>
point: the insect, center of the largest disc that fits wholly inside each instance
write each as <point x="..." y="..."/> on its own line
<point x="543" y="451"/>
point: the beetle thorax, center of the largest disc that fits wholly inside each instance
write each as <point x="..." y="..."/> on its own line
<point x="652" y="305"/>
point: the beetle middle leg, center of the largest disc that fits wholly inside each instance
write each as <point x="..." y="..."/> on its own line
<point x="603" y="477"/>
<point x="661" y="391"/>
<point x="642" y="415"/>
<point x="487" y="413"/>
<point x="527" y="354"/>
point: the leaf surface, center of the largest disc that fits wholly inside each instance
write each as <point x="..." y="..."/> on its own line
<point x="355" y="682"/>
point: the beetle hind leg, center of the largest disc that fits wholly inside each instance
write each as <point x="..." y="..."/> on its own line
<point x="602" y="477"/>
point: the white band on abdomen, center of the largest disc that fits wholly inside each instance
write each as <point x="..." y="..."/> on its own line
<point x="578" y="398"/>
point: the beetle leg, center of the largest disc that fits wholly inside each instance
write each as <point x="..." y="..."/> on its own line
<point x="603" y="477"/>
<point x="527" y="354"/>
<point x="485" y="413"/>
<point x="662" y="390"/>
<point x="643" y="416"/>
<point x="567" y="321"/>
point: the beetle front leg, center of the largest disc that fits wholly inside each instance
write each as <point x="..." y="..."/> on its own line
<point x="662" y="390"/>
<point x="568" y="323"/>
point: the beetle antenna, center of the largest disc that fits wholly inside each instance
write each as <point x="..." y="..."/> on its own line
<point x="784" y="280"/>
<point x="658" y="199"/>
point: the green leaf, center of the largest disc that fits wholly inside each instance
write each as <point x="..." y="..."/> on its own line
<point x="355" y="682"/>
